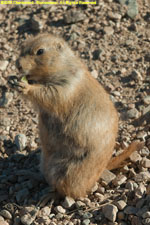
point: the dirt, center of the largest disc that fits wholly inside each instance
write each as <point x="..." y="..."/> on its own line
<point x="112" y="38"/>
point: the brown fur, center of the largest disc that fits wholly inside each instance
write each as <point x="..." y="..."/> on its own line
<point x="118" y="161"/>
<point x="78" y="123"/>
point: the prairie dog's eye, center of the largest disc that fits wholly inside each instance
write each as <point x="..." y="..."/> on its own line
<point x="40" y="51"/>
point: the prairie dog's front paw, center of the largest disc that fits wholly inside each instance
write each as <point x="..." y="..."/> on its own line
<point x="23" y="87"/>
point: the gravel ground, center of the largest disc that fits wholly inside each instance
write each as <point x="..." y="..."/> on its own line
<point x="113" y="39"/>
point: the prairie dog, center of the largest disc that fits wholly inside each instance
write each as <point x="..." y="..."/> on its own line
<point x="78" y="123"/>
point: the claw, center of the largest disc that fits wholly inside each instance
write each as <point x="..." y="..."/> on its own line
<point x="46" y="198"/>
<point x="13" y="81"/>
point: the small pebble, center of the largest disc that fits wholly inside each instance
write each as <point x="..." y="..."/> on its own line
<point x="70" y="223"/>
<point x="136" y="75"/>
<point x="45" y="211"/>
<point x="123" y="223"/>
<point x="5" y="98"/>
<point x="110" y="212"/>
<point x="116" y="93"/>
<point x="146" y="221"/>
<point x="142" y="135"/>
<point x="96" y="54"/>
<point x="86" y="222"/>
<point x="3" y="223"/>
<point x="144" y="152"/>
<point x="107" y="176"/>
<point x="114" y="16"/>
<point x="132" y="113"/>
<point x="141" y="190"/>
<point x="101" y="190"/>
<point x="130" y="210"/>
<point x="94" y="74"/>
<point x="132" y="11"/>
<point x="3" y="64"/>
<point x="73" y="16"/>
<point x="109" y="30"/>
<point x="60" y="209"/>
<point x="29" y="215"/>
<point x="87" y="215"/>
<point x="59" y="216"/>
<point x="121" y="215"/>
<point x="140" y="203"/>
<point x="146" y="110"/>
<point x="94" y="189"/>
<point x="99" y="196"/>
<point x="147" y="99"/>
<point x="87" y="201"/>
<point x="52" y="223"/>
<point x="121" y="204"/>
<point x="135" y="157"/>
<point x="68" y="202"/>
<point x="51" y="215"/>
<point x="1" y="218"/>
<point x="146" y="163"/>
<point x="130" y="185"/>
<point x="120" y="179"/>
<point x="27" y="219"/>
<point x="142" y="176"/>
<point x="79" y="204"/>
<point x="17" y="220"/>
<point x="20" y="141"/>
<point x="146" y="215"/>
<point x="6" y="214"/>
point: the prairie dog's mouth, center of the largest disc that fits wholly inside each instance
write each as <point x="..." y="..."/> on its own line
<point x="32" y="82"/>
<point x="28" y="78"/>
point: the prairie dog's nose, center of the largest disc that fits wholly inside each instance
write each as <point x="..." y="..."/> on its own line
<point x="18" y="65"/>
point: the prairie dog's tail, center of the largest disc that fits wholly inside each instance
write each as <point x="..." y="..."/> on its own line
<point x="115" y="162"/>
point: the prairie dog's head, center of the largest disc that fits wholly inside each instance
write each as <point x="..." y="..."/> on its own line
<point x="44" y="58"/>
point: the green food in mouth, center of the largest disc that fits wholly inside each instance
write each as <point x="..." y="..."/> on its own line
<point x="24" y="79"/>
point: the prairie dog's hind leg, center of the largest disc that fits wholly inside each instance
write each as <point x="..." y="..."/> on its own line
<point x="74" y="177"/>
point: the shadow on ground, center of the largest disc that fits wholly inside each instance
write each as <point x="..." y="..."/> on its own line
<point x="21" y="181"/>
